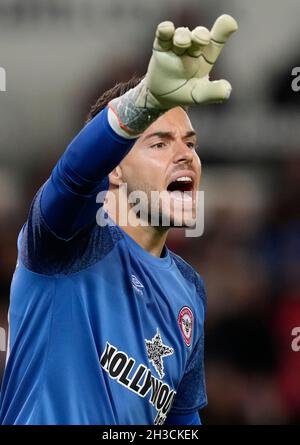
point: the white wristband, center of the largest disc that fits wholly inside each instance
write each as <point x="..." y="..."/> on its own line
<point x="114" y="124"/>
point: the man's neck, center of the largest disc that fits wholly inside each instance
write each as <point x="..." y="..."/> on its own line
<point x="152" y="239"/>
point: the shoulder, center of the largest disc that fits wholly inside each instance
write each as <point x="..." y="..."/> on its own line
<point x="189" y="273"/>
<point x="42" y="252"/>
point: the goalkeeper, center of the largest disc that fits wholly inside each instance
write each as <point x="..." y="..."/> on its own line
<point x="106" y="324"/>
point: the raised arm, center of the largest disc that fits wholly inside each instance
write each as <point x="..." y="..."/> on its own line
<point x="177" y="75"/>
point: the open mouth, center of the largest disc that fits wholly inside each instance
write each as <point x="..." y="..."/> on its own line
<point x="181" y="184"/>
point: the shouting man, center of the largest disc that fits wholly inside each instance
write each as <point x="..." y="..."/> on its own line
<point x="106" y="324"/>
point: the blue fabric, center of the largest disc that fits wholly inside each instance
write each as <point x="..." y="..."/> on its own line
<point x="68" y="201"/>
<point x="87" y="308"/>
<point x="189" y="419"/>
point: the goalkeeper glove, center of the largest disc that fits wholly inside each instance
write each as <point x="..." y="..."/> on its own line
<point x="177" y="75"/>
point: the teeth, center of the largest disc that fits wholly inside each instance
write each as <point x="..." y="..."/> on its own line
<point x="184" y="178"/>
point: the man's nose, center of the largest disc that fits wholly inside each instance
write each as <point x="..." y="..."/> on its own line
<point x="182" y="153"/>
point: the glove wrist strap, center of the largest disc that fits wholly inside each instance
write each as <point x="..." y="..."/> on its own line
<point x="130" y="118"/>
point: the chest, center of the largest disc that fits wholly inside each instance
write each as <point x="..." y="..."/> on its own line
<point x="143" y="319"/>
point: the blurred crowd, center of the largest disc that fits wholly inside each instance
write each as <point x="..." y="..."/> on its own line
<point x="249" y="257"/>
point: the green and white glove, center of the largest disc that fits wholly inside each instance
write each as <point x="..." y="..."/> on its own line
<point x="177" y="75"/>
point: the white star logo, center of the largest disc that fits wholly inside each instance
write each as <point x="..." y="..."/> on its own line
<point x="156" y="350"/>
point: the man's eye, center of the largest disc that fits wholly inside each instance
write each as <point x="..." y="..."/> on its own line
<point x="191" y="145"/>
<point x="158" y="145"/>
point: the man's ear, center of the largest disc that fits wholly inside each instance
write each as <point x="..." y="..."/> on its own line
<point x="115" y="177"/>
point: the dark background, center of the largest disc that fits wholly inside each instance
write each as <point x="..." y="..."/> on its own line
<point x="60" y="55"/>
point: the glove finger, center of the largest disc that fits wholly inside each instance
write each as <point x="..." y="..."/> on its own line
<point x="224" y="26"/>
<point x="164" y="36"/>
<point x="206" y="91"/>
<point x="204" y="67"/>
<point x="182" y="40"/>
<point x="200" y="39"/>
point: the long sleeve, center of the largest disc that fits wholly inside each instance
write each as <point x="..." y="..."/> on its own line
<point x="68" y="197"/>
<point x="57" y="237"/>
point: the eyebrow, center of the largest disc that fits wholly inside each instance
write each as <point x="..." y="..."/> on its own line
<point x="169" y="135"/>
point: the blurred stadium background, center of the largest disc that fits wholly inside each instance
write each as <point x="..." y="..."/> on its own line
<point x="59" y="55"/>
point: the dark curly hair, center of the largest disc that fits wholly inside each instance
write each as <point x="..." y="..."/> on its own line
<point x="118" y="90"/>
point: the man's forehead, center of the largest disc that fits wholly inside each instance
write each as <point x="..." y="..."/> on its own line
<point x="172" y="121"/>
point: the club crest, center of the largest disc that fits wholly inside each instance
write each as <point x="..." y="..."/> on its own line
<point x="186" y="324"/>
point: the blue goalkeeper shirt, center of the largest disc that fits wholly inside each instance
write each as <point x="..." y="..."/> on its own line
<point x="101" y="331"/>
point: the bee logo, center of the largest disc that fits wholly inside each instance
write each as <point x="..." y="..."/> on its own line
<point x="186" y="322"/>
